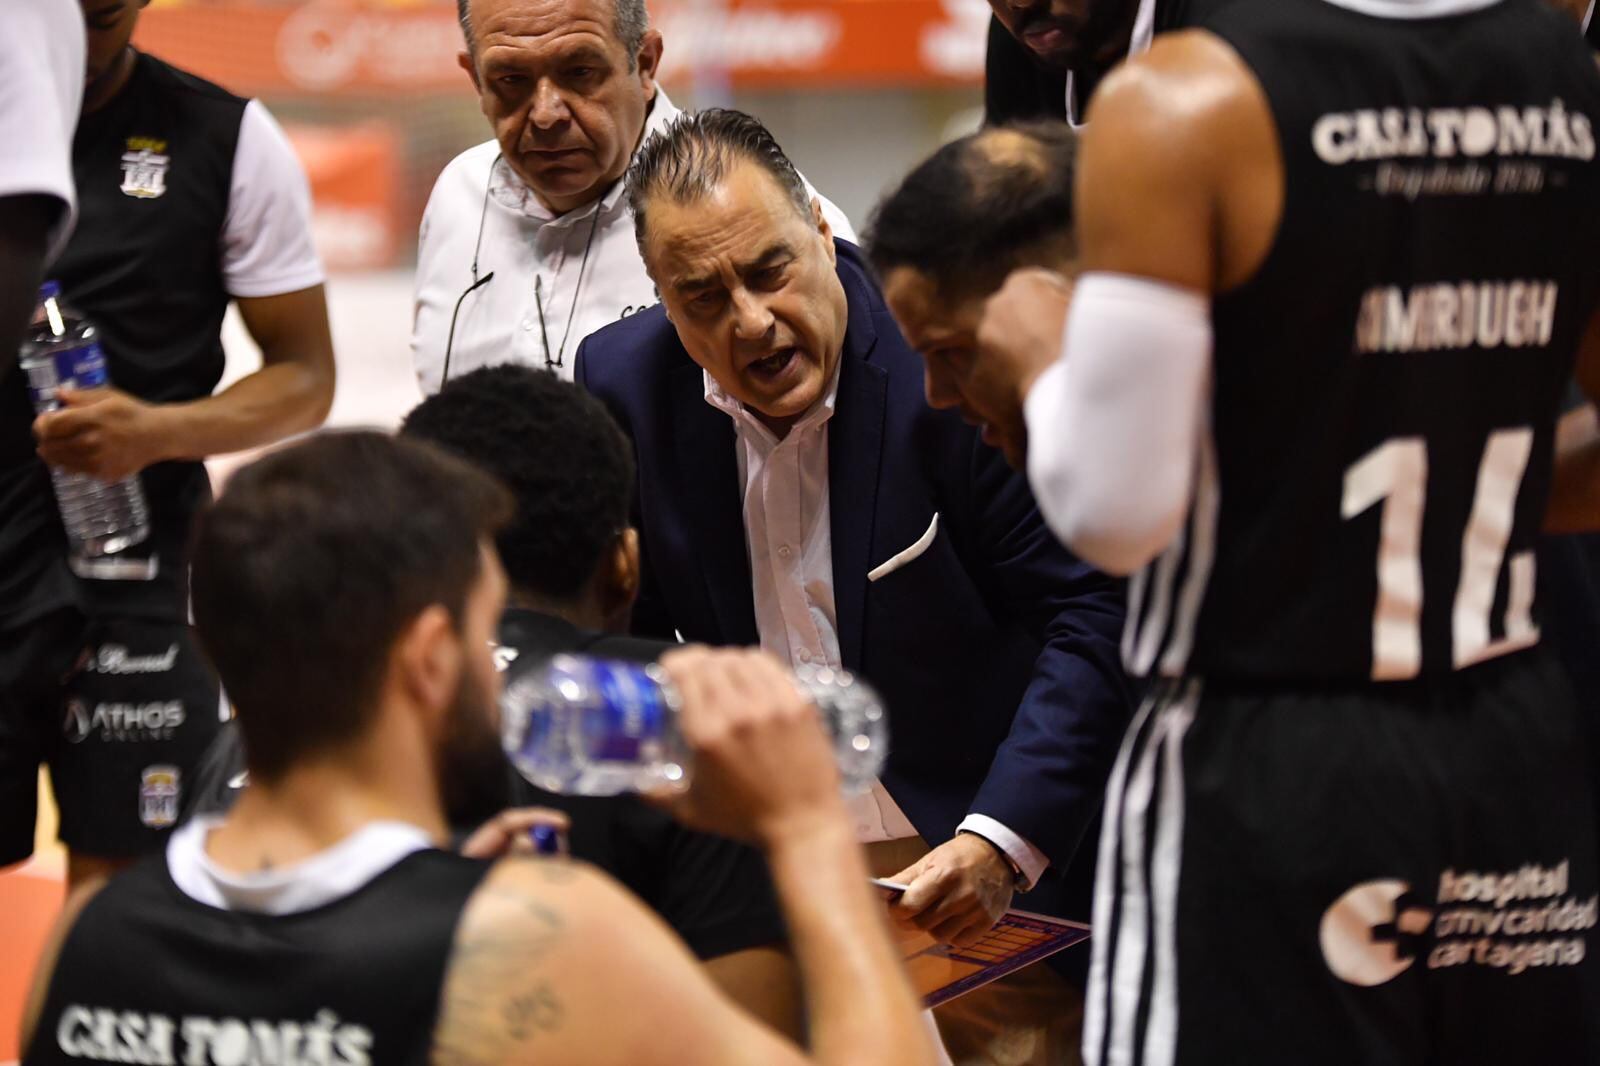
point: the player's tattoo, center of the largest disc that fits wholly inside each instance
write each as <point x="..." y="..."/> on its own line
<point x="539" y="1011"/>
<point x="496" y="1000"/>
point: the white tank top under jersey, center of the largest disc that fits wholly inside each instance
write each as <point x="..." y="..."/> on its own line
<point x="327" y="876"/>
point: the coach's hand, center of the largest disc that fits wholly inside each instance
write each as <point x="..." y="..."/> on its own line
<point x="763" y="767"/>
<point x="508" y="833"/>
<point x="1023" y="322"/>
<point x="104" y="433"/>
<point x="956" y="892"/>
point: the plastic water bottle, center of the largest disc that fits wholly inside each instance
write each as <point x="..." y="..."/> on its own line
<point x="592" y="727"/>
<point x="62" y="348"/>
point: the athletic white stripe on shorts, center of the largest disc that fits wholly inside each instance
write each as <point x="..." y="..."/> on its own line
<point x="1135" y="916"/>
<point x="1132" y="944"/>
<point x="1094" y="1019"/>
<point x="1161" y="1031"/>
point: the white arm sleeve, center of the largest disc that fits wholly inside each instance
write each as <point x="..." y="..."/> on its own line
<point x="41" y="90"/>
<point x="1113" y="426"/>
<point x="266" y="238"/>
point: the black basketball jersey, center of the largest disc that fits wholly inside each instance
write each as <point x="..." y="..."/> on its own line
<point x="154" y="170"/>
<point x="1385" y="387"/>
<point x="148" y="974"/>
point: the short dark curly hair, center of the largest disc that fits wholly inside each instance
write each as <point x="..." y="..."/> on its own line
<point x="568" y="465"/>
<point x="693" y="155"/>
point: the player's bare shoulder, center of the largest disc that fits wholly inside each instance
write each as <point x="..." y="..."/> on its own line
<point x="1190" y="82"/>
<point x="1180" y="176"/>
<point x="501" y="999"/>
<point x="1189" y="124"/>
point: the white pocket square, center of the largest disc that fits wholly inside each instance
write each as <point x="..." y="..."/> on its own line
<point x="899" y="559"/>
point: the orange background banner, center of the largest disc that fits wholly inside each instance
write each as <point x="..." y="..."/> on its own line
<point x="328" y="47"/>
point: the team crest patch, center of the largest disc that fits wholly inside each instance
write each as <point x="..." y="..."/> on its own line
<point x="144" y="168"/>
<point x="159" y="791"/>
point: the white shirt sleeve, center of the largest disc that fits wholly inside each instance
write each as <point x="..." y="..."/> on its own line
<point x="1028" y="859"/>
<point x="41" y="90"/>
<point x="266" y="238"/>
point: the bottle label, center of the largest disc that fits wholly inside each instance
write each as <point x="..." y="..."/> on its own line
<point x="83" y="367"/>
<point x="631" y="711"/>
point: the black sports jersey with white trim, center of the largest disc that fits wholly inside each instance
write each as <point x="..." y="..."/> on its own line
<point x="148" y="974"/>
<point x="154" y="170"/>
<point x="1385" y="387"/>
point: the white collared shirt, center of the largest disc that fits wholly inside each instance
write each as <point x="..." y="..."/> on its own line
<point x="582" y="270"/>
<point x="789" y="539"/>
<point x="786" y="524"/>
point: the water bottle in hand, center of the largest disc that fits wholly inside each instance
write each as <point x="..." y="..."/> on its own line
<point x="62" y="348"/>
<point x="590" y="727"/>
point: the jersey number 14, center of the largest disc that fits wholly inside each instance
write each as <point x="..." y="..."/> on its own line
<point x="1395" y="474"/>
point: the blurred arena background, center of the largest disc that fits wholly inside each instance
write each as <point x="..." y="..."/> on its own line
<point x="371" y="95"/>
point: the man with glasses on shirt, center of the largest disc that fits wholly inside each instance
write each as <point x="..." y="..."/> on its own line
<point x="527" y="243"/>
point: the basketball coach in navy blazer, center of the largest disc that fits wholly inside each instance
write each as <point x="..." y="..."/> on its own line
<point x="994" y="649"/>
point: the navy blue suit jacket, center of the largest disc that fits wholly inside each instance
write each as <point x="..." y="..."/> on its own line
<point x="995" y="650"/>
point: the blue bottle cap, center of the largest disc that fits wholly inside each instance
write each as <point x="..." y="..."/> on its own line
<point x="50" y="290"/>
<point x="546" y="840"/>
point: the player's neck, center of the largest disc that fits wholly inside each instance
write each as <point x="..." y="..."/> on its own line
<point x="319" y="803"/>
<point x="585" y="612"/>
<point x="104" y="89"/>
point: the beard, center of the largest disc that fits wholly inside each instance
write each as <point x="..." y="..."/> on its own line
<point x="475" y="777"/>
<point x="1101" y="41"/>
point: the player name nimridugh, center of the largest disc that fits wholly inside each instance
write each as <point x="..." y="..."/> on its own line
<point x="1452" y="315"/>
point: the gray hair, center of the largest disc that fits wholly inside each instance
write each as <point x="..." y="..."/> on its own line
<point x="692" y="156"/>
<point x="629" y="20"/>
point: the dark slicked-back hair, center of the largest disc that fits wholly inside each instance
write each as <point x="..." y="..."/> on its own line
<point x="693" y="155"/>
<point x="310" y="566"/>
<point x="980" y="207"/>
<point x="568" y="466"/>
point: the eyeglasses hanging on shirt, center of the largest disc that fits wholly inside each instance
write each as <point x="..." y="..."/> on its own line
<point x="551" y="363"/>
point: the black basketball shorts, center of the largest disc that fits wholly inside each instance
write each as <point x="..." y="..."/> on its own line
<point x="1399" y="873"/>
<point x="121" y="710"/>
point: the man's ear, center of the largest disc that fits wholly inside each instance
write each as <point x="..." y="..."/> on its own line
<point x="824" y="229"/>
<point x="648" y="61"/>
<point x="427" y="662"/>
<point x="622" y="580"/>
<point x="465" y="62"/>
<point x="627" y="563"/>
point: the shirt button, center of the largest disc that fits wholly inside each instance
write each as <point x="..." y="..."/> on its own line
<point x="805" y="656"/>
<point x="784" y="552"/>
<point x="527" y="323"/>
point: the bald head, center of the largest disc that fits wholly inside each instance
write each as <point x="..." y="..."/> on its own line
<point x="1002" y="199"/>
